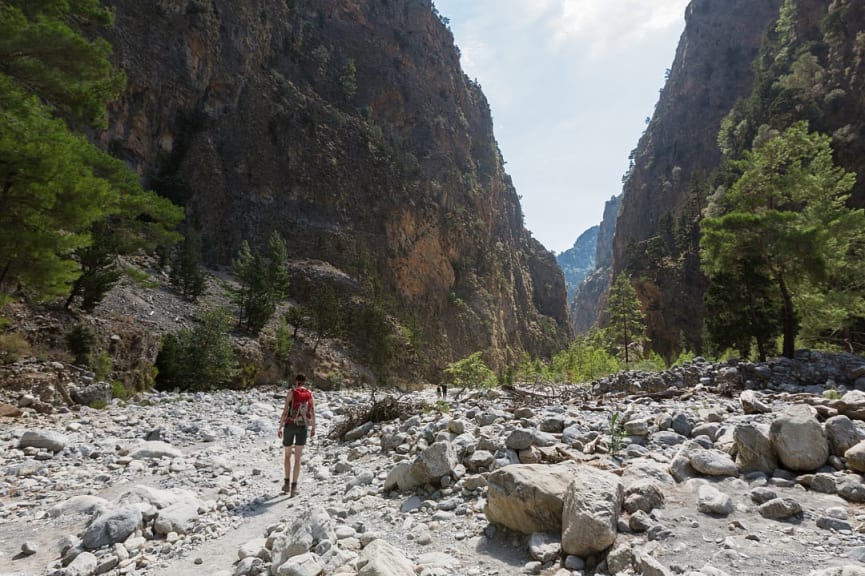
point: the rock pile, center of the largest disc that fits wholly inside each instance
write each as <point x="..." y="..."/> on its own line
<point x="651" y="479"/>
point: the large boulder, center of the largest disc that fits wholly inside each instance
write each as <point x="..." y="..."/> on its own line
<point x="93" y="394"/>
<point x="82" y="504"/>
<point x="754" y="451"/>
<point x="855" y="456"/>
<point x="309" y="529"/>
<point x="433" y="463"/>
<point x="154" y="450"/>
<point x="379" y="558"/>
<point x="842" y="434"/>
<point x="799" y="439"/>
<point x="44" y="439"/>
<point x="179" y="517"/>
<point x="112" y="527"/>
<point x="528" y="498"/>
<point x="591" y="511"/>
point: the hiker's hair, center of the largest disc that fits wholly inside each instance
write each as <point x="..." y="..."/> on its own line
<point x="300" y="378"/>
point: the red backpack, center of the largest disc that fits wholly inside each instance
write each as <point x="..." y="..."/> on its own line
<point x="300" y="412"/>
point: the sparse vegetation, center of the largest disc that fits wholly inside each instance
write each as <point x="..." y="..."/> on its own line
<point x="12" y="347"/>
<point x="615" y="434"/>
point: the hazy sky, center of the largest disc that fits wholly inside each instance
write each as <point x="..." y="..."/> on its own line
<point x="570" y="84"/>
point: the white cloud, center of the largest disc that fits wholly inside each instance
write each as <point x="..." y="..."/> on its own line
<point x="569" y="83"/>
<point x="606" y="27"/>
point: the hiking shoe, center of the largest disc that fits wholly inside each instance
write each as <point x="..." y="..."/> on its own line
<point x="286" y="487"/>
<point x="294" y="489"/>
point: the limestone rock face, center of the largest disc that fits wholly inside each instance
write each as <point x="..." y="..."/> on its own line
<point x="350" y="128"/>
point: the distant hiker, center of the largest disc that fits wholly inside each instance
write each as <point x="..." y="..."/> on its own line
<point x="442" y="391"/>
<point x="298" y="414"/>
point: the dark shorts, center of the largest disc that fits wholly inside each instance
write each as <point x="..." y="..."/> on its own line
<point x="293" y="434"/>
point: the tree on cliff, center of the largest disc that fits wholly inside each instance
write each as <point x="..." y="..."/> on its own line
<point x="786" y="218"/>
<point x="55" y="186"/>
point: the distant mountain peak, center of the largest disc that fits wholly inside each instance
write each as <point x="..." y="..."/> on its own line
<point x="578" y="261"/>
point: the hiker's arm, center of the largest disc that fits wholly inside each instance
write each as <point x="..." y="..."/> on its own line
<point x="284" y="415"/>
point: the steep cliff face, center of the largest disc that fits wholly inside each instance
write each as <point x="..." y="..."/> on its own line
<point x="733" y="62"/>
<point x="711" y="71"/>
<point x="349" y="127"/>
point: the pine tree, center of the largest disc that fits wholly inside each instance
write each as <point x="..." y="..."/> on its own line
<point x="787" y="217"/>
<point x="325" y="314"/>
<point x="741" y="309"/>
<point x="186" y="274"/>
<point x="627" y="320"/>
<point x="296" y="317"/>
<point x="99" y="270"/>
<point x="55" y="185"/>
<point x="264" y="282"/>
<point x="75" y="76"/>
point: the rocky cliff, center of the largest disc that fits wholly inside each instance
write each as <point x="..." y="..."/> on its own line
<point x="734" y="67"/>
<point x="712" y="70"/>
<point x="349" y="127"/>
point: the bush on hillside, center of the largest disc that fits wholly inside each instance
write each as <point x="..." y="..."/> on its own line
<point x="200" y="358"/>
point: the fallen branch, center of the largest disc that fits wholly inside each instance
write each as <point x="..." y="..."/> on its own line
<point x="384" y="410"/>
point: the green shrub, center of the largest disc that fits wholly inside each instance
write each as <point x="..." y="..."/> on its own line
<point x="616" y="433"/>
<point x="471" y="372"/>
<point x="102" y="365"/>
<point x="247" y="374"/>
<point x="653" y="363"/>
<point x="12" y="347"/>
<point x="80" y="341"/>
<point x="118" y="390"/>
<point x="200" y="358"/>
<point x="586" y="359"/>
<point x="684" y="356"/>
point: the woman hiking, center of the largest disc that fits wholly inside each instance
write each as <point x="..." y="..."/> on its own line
<point x="298" y="414"/>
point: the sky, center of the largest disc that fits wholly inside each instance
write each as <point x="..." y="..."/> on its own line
<point x="570" y="84"/>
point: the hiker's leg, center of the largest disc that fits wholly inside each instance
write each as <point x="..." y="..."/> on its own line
<point x="298" y="453"/>
<point x="286" y="467"/>
<point x="286" y="464"/>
